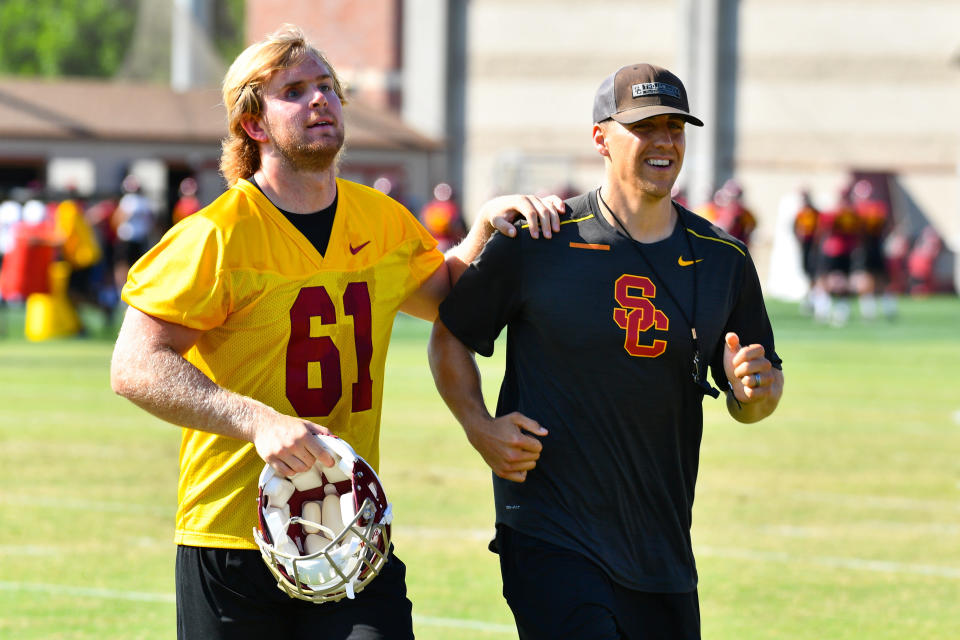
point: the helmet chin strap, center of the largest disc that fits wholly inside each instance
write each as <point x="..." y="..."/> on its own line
<point x="351" y="594"/>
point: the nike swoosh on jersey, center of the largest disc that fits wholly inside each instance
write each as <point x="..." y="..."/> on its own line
<point x="355" y="250"/>
<point x="687" y="263"/>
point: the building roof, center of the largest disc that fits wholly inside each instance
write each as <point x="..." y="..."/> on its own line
<point x="81" y="109"/>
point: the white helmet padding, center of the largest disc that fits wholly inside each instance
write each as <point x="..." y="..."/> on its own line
<point x="324" y="533"/>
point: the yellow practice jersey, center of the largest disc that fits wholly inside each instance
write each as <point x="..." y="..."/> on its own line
<point x="80" y="245"/>
<point x="303" y="333"/>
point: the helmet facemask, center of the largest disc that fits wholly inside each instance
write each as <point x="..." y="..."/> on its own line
<point x="324" y="533"/>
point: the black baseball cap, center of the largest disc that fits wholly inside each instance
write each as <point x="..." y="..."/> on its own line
<point x="639" y="91"/>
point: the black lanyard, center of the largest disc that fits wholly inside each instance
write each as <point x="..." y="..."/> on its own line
<point x="697" y="377"/>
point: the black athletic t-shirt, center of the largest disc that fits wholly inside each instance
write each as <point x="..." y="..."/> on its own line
<point x="315" y="227"/>
<point x="600" y="354"/>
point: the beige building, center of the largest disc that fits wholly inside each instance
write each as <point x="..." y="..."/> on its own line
<point x="794" y="93"/>
<point x="162" y="119"/>
<point x="495" y="96"/>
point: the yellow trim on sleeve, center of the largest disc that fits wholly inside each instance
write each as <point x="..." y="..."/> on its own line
<point x="563" y="222"/>
<point x="720" y="240"/>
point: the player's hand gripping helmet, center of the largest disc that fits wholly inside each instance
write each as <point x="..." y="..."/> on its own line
<point x="324" y="533"/>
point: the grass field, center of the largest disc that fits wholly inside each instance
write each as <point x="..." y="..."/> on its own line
<point x="839" y="517"/>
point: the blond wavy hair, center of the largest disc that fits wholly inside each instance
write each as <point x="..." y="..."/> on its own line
<point x="243" y="93"/>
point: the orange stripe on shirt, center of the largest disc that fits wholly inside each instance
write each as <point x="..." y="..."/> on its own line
<point x="584" y="245"/>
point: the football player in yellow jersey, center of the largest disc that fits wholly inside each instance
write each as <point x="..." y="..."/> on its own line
<point x="263" y="319"/>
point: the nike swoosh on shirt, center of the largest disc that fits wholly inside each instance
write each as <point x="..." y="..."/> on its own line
<point x="687" y="263"/>
<point x="355" y="250"/>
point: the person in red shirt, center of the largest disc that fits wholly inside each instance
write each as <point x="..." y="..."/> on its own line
<point x="870" y="278"/>
<point x="805" y="230"/>
<point x="441" y="217"/>
<point x="838" y="232"/>
<point x="922" y="260"/>
<point x="187" y="204"/>
<point x="731" y="214"/>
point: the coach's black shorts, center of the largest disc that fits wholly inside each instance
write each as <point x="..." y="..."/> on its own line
<point x="229" y="594"/>
<point x="557" y="594"/>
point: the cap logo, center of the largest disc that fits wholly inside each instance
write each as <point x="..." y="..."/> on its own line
<point x="655" y="88"/>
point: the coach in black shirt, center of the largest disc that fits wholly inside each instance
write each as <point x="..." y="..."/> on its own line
<point x="613" y="325"/>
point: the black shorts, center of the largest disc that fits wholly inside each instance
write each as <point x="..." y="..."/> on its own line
<point x="556" y="594"/>
<point x="869" y="257"/>
<point x="82" y="282"/>
<point x="835" y="264"/>
<point x="810" y="257"/>
<point x="129" y="251"/>
<point x="230" y="594"/>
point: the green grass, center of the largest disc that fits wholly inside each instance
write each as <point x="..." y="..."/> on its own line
<point x="839" y="517"/>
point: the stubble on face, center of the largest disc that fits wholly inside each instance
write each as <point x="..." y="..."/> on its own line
<point x="309" y="156"/>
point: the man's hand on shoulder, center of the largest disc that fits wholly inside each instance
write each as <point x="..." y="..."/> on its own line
<point x="541" y="214"/>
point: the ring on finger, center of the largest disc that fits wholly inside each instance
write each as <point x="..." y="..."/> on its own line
<point x="756" y="380"/>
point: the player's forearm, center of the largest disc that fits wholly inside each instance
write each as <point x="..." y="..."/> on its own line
<point x="459" y="257"/>
<point x="457" y="377"/>
<point x="162" y="382"/>
<point x="748" y="412"/>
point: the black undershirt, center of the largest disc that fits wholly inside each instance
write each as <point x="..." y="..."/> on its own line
<point x="315" y="227"/>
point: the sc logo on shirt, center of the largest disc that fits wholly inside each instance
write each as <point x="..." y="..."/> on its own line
<point x="637" y="315"/>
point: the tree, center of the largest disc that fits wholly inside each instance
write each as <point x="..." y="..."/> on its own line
<point x="93" y="37"/>
<point x="64" y="37"/>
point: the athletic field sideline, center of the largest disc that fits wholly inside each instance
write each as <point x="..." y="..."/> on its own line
<point x="839" y="517"/>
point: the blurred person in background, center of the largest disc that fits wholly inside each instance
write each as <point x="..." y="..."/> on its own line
<point x="895" y="252"/>
<point x="805" y="224"/>
<point x="731" y="215"/>
<point x="922" y="261"/>
<point x="133" y="221"/>
<point x="10" y="213"/>
<point x="100" y="216"/>
<point x="441" y="217"/>
<point x="869" y="277"/>
<point x="79" y="247"/>
<point x="612" y="328"/>
<point x="30" y="251"/>
<point x="187" y="204"/>
<point x="291" y="268"/>
<point x="839" y="235"/>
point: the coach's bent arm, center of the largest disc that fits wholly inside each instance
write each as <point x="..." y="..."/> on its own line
<point x="502" y="443"/>
<point x="754" y="384"/>
<point x="148" y="368"/>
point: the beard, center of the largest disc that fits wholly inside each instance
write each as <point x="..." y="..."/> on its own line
<point x="304" y="156"/>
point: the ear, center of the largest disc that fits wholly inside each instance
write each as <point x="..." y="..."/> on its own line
<point x="253" y="128"/>
<point x="600" y="140"/>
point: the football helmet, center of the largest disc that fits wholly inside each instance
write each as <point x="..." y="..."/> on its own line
<point x="324" y="533"/>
